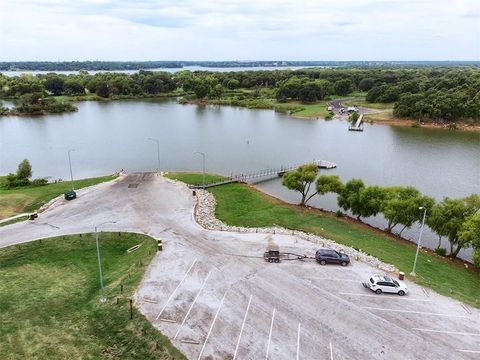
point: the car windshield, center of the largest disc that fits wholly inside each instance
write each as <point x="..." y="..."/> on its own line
<point x="396" y="283"/>
<point x="371" y="280"/>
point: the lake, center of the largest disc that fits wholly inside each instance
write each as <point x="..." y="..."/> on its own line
<point x="109" y="136"/>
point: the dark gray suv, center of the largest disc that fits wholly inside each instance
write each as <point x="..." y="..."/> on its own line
<point x="328" y="256"/>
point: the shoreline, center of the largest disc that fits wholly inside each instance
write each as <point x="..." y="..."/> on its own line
<point x="397" y="122"/>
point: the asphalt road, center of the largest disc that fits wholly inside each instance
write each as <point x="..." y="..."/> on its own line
<point x="215" y="297"/>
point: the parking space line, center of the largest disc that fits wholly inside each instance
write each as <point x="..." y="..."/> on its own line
<point x="270" y="334"/>
<point x="211" y="326"/>
<point x="331" y="351"/>
<point x="412" y="312"/>
<point x="298" y="342"/>
<point x="467" y="310"/>
<point x="469" y="351"/>
<point x="191" y="306"/>
<point x="447" y="332"/>
<point x="426" y="292"/>
<point x="384" y="297"/>
<point x="178" y="286"/>
<point x="241" y="330"/>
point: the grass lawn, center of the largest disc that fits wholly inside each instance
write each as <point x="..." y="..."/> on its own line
<point x="318" y="109"/>
<point x="30" y="198"/>
<point x="241" y="205"/>
<point x="363" y="103"/>
<point x="49" y="303"/>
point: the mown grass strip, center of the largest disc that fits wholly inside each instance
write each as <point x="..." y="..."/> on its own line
<point x="49" y="303"/>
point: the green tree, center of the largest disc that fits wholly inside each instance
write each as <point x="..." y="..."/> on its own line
<point x="55" y="84"/>
<point x="371" y="201"/>
<point x="349" y="196"/>
<point x="469" y="235"/>
<point x="24" y="170"/>
<point x="401" y="206"/>
<point x="301" y="180"/>
<point x="343" y="87"/>
<point x="233" y="84"/>
<point x="448" y="217"/>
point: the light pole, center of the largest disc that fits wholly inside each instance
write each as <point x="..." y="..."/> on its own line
<point x="419" y="240"/>
<point x="158" y="152"/>
<point x="203" y="158"/>
<point x="102" y="291"/>
<point x="70" y="163"/>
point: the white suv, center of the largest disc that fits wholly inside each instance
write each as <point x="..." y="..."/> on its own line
<point x="383" y="283"/>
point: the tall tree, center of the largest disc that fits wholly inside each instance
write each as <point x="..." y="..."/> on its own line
<point x="401" y="207"/>
<point x="448" y="218"/>
<point x="24" y="170"/>
<point x="349" y="196"/>
<point x="328" y="183"/>
<point x="470" y="234"/>
<point x="301" y="180"/>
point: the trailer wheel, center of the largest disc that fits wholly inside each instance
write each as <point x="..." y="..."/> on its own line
<point x="270" y="260"/>
<point x="277" y="260"/>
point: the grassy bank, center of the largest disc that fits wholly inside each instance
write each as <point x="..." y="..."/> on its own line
<point x="363" y="103"/>
<point x="242" y="205"/>
<point x="30" y="198"/>
<point x="49" y="303"/>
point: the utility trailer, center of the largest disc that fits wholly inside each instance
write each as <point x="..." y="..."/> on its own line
<point x="273" y="254"/>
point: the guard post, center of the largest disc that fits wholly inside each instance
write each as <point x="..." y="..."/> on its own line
<point x="159" y="245"/>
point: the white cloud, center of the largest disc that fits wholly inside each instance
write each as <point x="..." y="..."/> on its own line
<point x="239" y="29"/>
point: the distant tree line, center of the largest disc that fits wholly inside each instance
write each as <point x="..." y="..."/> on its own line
<point x="146" y="65"/>
<point x="457" y="220"/>
<point x="441" y="93"/>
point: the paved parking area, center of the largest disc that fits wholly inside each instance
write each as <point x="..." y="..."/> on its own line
<point x="215" y="297"/>
<point x="225" y="302"/>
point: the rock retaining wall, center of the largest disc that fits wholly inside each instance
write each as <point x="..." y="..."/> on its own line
<point x="205" y="216"/>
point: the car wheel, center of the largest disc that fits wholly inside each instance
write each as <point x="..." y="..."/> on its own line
<point x="276" y="260"/>
<point x="323" y="262"/>
<point x="344" y="263"/>
<point x="401" y="293"/>
<point x="270" y="260"/>
<point x="378" y="291"/>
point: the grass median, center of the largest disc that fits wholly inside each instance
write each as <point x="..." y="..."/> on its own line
<point x="242" y="205"/>
<point x="49" y="303"/>
<point x="30" y="198"/>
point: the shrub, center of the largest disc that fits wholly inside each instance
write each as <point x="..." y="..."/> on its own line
<point x="416" y="124"/>
<point x="39" y="182"/>
<point x="440" y="251"/>
<point x="329" y="116"/>
<point x="12" y="181"/>
<point x="339" y="213"/>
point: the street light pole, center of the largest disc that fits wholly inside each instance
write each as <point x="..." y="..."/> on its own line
<point x="102" y="290"/>
<point x="419" y="240"/>
<point x="158" y="152"/>
<point x="203" y="158"/>
<point x="70" y="163"/>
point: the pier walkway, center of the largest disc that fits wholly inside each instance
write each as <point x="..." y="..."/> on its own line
<point x="264" y="175"/>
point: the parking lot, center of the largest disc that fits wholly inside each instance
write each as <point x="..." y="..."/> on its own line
<point x="215" y="297"/>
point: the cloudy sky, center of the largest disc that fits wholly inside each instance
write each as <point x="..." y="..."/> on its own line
<point x="239" y="30"/>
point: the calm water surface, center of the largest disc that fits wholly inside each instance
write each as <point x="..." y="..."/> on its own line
<point x="112" y="136"/>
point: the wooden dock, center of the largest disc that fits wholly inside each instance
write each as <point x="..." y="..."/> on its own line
<point x="358" y="125"/>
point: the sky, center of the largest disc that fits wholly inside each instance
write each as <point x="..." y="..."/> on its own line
<point x="64" y="30"/>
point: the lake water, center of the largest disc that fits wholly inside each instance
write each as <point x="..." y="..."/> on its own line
<point x="170" y="70"/>
<point x="108" y="136"/>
